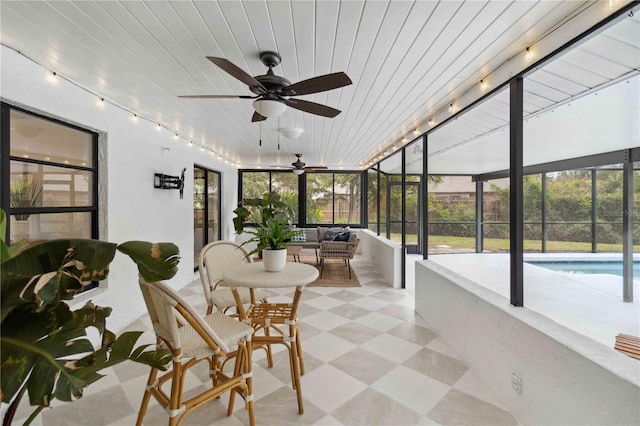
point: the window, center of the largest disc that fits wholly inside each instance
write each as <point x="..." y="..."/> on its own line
<point x="333" y="198"/>
<point x="49" y="178"/>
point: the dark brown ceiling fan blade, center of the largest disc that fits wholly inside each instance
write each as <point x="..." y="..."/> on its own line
<point x="257" y="117"/>
<point x="238" y="73"/>
<point x="312" y="168"/>
<point x="312" y="107"/>
<point x="217" y="97"/>
<point x="321" y="83"/>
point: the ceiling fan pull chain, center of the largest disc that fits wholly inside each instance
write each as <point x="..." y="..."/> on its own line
<point x="260" y="143"/>
<point x="278" y="133"/>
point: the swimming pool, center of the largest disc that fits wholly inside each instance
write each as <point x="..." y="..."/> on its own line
<point x="586" y="266"/>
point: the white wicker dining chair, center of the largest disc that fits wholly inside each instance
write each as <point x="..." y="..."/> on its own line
<point x="215" y="259"/>
<point x="191" y="339"/>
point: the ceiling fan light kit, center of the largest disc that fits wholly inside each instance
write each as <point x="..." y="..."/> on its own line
<point x="298" y="171"/>
<point x="269" y="108"/>
<point x="292" y="132"/>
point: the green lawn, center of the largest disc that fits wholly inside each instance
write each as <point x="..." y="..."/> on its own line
<point x="495" y="244"/>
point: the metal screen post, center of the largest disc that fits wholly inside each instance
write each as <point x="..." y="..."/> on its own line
<point x="425" y="210"/>
<point x="544" y="212"/>
<point x="627" y="228"/>
<point x="516" y="214"/>
<point x="479" y="216"/>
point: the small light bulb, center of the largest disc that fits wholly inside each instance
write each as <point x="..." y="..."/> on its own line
<point x="176" y="136"/>
<point x="159" y="127"/>
<point x="450" y="107"/>
<point x="528" y="55"/>
<point x="135" y="117"/>
<point x="53" y="77"/>
<point x="483" y="85"/>
<point x="416" y="131"/>
<point x="431" y="122"/>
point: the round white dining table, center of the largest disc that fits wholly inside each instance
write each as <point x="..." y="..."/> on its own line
<point x="253" y="275"/>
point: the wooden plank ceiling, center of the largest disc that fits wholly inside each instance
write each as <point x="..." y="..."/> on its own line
<point x="405" y="58"/>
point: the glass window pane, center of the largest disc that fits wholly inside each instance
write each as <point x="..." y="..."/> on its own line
<point x="496" y="237"/>
<point x="384" y="181"/>
<point x="569" y="196"/>
<point x="609" y="195"/>
<point x="50" y="226"/>
<point x="213" y="206"/>
<point x="286" y="184"/>
<point x="198" y="213"/>
<point x="452" y="204"/>
<point x="40" y="139"/>
<point x="37" y="185"/>
<point x="496" y="201"/>
<point x="568" y="237"/>
<point x="254" y="184"/>
<point x="372" y="196"/>
<point x="347" y="198"/>
<point x="319" y="198"/>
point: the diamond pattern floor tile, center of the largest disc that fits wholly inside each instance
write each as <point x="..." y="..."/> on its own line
<point x="369" y="360"/>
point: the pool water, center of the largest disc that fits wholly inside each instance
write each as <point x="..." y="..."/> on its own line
<point x="587" y="266"/>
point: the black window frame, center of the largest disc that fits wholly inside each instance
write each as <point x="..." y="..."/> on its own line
<point x="5" y="174"/>
<point x="302" y="194"/>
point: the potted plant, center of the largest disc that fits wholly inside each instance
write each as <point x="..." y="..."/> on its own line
<point x="259" y="210"/>
<point x="271" y="238"/>
<point x="268" y="217"/>
<point x="44" y="346"/>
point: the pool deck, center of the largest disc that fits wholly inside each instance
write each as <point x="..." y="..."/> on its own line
<point x="590" y="304"/>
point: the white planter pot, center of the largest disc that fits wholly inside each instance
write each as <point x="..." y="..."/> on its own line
<point x="274" y="260"/>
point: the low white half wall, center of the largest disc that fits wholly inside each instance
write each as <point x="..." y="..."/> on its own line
<point x="384" y="255"/>
<point x="567" y="378"/>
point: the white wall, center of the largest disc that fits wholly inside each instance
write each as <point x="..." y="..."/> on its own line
<point x="385" y="256"/>
<point x="567" y="378"/>
<point x="130" y="154"/>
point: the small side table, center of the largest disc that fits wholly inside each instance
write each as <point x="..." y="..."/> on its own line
<point x="295" y="252"/>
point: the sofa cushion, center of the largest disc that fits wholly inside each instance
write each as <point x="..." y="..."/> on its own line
<point x="322" y="233"/>
<point x="353" y="237"/>
<point x="312" y="235"/>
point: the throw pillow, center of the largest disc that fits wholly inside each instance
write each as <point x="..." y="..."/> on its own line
<point x="342" y="236"/>
<point x="331" y="235"/>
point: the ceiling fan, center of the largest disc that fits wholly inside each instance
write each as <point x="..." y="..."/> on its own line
<point x="299" y="168"/>
<point x="274" y="93"/>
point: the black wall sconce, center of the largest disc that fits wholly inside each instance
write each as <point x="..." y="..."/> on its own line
<point x="162" y="181"/>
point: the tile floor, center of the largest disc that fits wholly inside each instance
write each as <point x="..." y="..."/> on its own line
<point x="369" y="361"/>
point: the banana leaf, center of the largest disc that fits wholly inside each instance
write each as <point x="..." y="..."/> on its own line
<point x="156" y="261"/>
<point x="44" y="349"/>
<point x="48" y="352"/>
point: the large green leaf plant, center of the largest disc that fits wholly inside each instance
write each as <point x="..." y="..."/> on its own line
<point x="266" y="218"/>
<point x="44" y="346"/>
